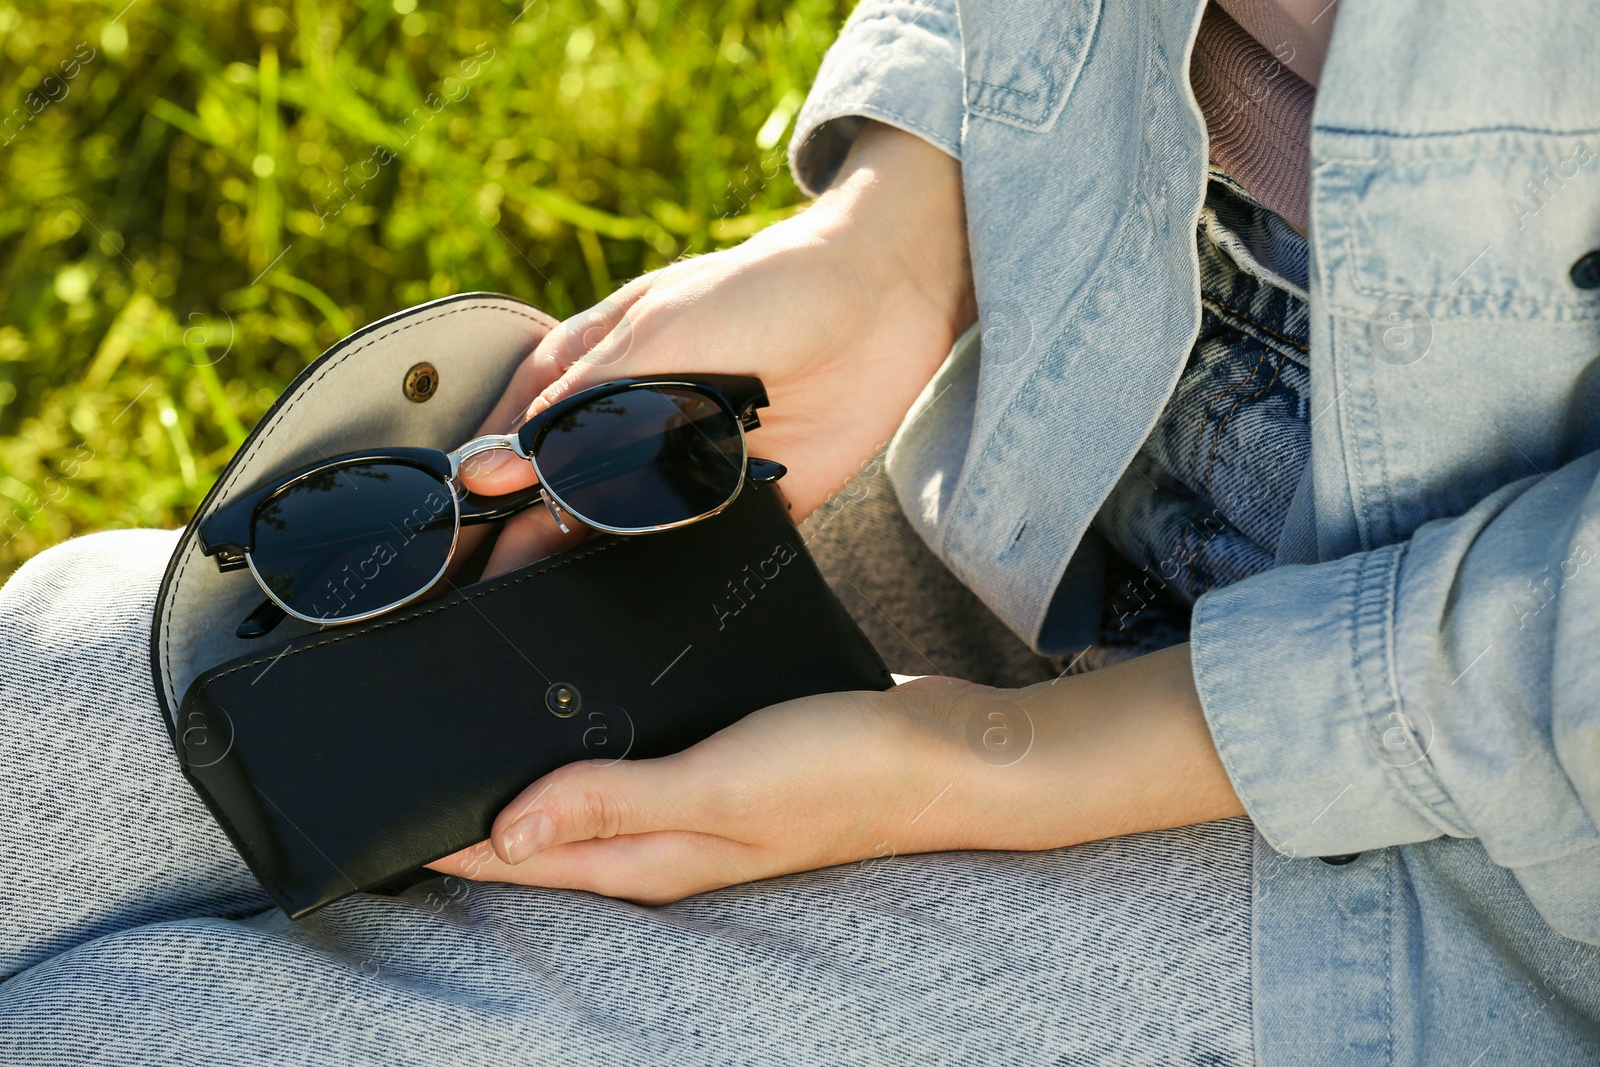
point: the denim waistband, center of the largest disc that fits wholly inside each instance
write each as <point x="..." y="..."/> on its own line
<point x="1204" y="501"/>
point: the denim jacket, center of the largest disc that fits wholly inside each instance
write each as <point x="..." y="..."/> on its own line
<point x="1418" y="678"/>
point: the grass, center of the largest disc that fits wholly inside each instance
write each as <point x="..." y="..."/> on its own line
<point x="199" y="196"/>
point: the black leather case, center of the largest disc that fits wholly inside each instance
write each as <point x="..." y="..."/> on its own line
<point x="346" y="757"/>
<point x="350" y="755"/>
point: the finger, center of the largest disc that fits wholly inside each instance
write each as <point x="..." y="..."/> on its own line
<point x="527" y="382"/>
<point x="531" y="536"/>
<point x="582" y="333"/>
<point x="655" y="868"/>
<point x="593" y="800"/>
<point x="537" y="383"/>
<point x="555" y="352"/>
<point x="597" y="350"/>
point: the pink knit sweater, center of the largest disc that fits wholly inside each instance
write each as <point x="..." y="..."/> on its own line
<point x="1254" y="72"/>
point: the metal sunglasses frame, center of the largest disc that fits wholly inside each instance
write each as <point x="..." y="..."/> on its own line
<point x="228" y="535"/>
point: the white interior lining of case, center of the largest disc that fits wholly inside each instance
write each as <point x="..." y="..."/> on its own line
<point x="351" y="398"/>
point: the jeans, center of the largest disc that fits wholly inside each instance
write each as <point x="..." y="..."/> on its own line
<point x="1204" y="502"/>
<point x="131" y="933"/>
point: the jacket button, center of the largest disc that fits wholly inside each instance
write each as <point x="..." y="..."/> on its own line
<point x="1586" y="272"/>
<point x="1340" y="861"/>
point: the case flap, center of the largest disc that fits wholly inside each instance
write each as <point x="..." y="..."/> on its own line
<point x="352" y="397"/>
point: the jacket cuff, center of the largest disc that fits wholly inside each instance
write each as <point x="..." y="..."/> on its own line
<point x="1293" y="667"/>
<point x="896" y="61"/>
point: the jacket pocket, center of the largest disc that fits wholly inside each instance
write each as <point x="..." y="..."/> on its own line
<point x="1023" y="58"/>
<point x="1483" y="225"/>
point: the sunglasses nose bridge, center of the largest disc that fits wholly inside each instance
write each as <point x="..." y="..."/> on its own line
<point x="488" y="443"/>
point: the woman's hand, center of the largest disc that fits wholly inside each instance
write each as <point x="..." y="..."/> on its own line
<point x="932" y="765"/>
<point x="844" y="311"/>
<point x="810" y="783"/>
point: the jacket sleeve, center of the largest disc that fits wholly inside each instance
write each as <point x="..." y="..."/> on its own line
<point x="1447" y="685"/>
<point x="896" y="61"/>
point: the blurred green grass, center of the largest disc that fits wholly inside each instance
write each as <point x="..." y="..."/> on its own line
<point x="198" y="196"/>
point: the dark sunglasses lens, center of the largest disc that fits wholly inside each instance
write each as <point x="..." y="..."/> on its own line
<point x="345" y="541"/>
<point x="644" y="457"/>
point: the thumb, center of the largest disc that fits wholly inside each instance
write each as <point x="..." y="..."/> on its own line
<point x="590" y="801"/>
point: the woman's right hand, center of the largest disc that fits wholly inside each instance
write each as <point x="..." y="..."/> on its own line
<point x="844" y="311"/>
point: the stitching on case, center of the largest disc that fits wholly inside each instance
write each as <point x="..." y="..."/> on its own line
<point x="554" y="565"/>
<point x="183" y="568"/>
<point x="284" y="414"/>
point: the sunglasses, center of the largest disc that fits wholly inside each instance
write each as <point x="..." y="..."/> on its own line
<point x="364" y="533"/>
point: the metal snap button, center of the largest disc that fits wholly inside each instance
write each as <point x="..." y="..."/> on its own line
<point x="1586" y="272"/>
<point x="563" y="700"/>
<point x="1340" y="861"/>
<point x="422" y="381"/>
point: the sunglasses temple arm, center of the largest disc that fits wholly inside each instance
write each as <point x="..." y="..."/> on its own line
<point x="477" y="509"/>
<point x="766" y="470"/>
<point x="260" y="622"/>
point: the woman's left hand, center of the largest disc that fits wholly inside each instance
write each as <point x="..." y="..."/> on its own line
<point x="932" y="765"/>
<point x="809" y="783"/>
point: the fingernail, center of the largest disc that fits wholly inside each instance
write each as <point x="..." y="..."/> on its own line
<point x="528" y="835"/>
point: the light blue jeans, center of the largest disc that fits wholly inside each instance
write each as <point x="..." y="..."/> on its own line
<point x="131" y="933"/>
